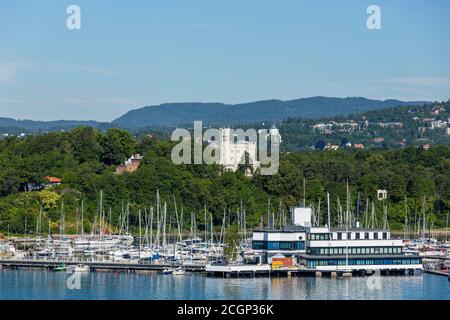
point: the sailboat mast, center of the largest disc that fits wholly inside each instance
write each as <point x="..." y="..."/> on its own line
<point x="329" y="211"/>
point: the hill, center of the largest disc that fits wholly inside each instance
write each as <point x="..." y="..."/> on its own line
<point x="384" y="128"/>
<point x="178" y="114"/>
<point x="14" y="126"/>
<point x="175" y="114"/>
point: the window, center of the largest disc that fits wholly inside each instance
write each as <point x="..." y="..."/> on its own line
<point x="375" y="235"/>
<point x="339" y="235"/>
<point x="357" y="235"/>
<point x="285" y="245"/>
<point x="273" y="245"/>
<point x="384" y="235"/>
<point x="258" y="245"/>
<point x="366" y="235"/>
<point x="299" y="245"/>
<point x="349" y="235"/>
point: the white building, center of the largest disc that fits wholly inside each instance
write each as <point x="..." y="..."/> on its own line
<point x="351" y="249"/>
<point x="232" y="148"/>
<point x="439" y="124"/>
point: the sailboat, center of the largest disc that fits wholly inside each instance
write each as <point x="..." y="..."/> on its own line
<point x="178" y="272"/>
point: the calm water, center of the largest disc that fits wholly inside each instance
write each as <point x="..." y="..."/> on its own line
<point x="36" y="284"/>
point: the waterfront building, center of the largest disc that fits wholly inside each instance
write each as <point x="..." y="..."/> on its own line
<point x="324" y="248"/>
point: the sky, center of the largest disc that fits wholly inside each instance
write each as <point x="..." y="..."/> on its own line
<point x="130" y="54"/>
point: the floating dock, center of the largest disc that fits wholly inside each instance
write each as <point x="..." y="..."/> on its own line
<point x="265" y="270"/>
<point x="445" y="273"/>
<point x="99" y="265"/>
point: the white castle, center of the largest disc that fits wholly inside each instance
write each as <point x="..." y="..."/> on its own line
<point x="232" y="150"/>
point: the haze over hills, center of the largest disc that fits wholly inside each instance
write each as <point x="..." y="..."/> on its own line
<point x="178" y="114"/>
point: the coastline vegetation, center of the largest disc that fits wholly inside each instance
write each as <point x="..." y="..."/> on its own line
<point x="85" y="160"/>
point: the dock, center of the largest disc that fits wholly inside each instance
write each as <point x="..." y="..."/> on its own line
<point x="445" y="273"/>
<point x="99" y="265"/>
<point x="222" y="271"/>
<point x="253" y="271"/>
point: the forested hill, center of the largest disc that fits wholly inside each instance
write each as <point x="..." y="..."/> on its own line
<point x="13" y="126"/>
<point x="174" y="114"/>
<point x="85" y="160"/>
<point x="384" y="128"/>
<point x="177" y="114"/>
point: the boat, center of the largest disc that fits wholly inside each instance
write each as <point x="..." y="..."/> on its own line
<point x="81" y="268"/>
<point x="178" y="272"/>
<point x="167" y="271"/>
<point x="61" y="267"/>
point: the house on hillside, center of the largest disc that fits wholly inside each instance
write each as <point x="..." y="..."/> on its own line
<point x="422" y="129"/>
<point x="332" y="147"/>
<point x="378" y="140"/>
<point x="52" y="181"/>
<point x="439" y="124"/>
<point x="130" y="165"/>
<point x="437" y="110"/>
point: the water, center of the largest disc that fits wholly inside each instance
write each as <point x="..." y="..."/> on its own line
<point x="37" y="284"/>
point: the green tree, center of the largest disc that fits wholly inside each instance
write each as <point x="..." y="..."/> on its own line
<point x="85" y="144"/>
<point x="49" y="199"/>
<point x="117" y="145"/>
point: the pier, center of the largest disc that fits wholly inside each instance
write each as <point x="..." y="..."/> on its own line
<point x="99" y="265"/>
<point x="253" y="271"/>
<point x="445" y="273"/>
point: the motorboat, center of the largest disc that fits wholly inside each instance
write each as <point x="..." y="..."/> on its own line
<point x="178" y="272"/>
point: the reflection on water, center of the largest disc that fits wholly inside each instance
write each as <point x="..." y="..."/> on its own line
<point x="34" y="284"/>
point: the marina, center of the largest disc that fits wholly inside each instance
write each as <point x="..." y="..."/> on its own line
<point x="303" y="244"/>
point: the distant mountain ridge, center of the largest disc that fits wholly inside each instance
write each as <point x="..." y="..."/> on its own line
<point x="174" y="114"/>
<point x="178" y="114"/>
<point x="31" y="125"/>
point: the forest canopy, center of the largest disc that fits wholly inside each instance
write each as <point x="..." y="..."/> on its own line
<point x="85" y="160"/>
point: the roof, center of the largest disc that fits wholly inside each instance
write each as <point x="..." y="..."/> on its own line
<point x="358" y="230"/>
<point x="53" y="179"/>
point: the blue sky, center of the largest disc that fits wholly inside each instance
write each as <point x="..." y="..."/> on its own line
<point x="134" y="53"/>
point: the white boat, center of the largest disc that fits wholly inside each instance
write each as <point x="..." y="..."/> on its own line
<point x="178" y="272"/>
<point x="81" y="268"/>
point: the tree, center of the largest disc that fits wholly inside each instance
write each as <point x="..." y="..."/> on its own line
<point x="232" y="240"/>
<point x="85" y="144"/>
<point x="116" y="145"/>
<point x="49" y="199"/>
<point x="320" y="145"/>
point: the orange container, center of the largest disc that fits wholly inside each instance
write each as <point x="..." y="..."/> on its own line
<point x="283" y="261"/>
